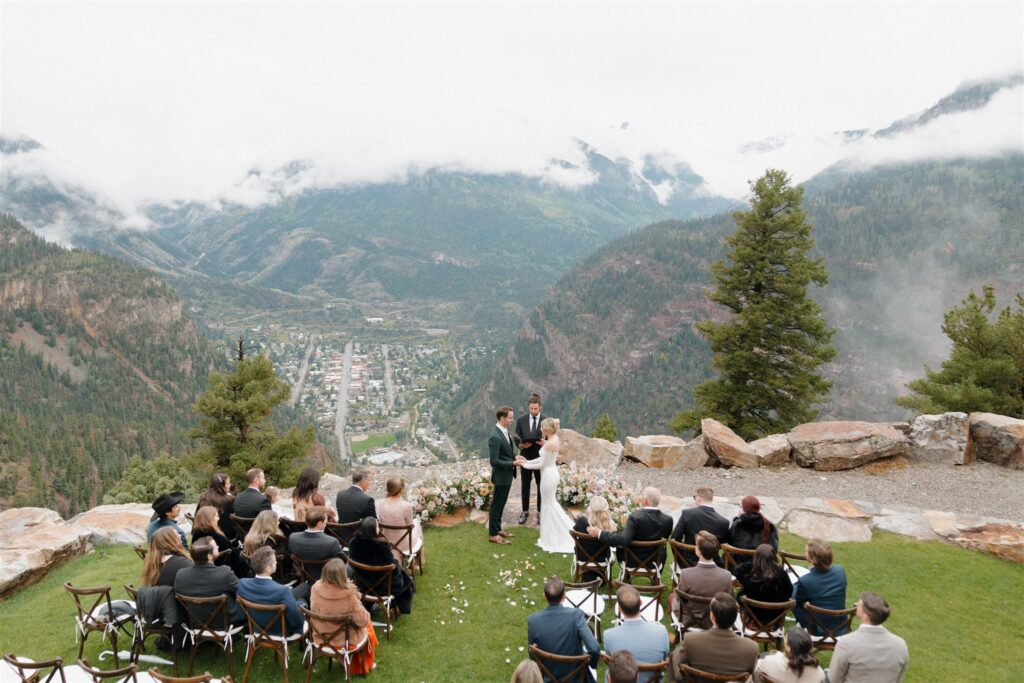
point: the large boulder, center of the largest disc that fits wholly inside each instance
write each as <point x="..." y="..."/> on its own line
<point x="665" y="452"/>
<point x="772" y="451"/>
<point x="833" y="528"/>
<point x="1005" y="541"/>
<point x="32" y="541"/>
<point x="997" y="439"/>
<point x="584" y="450"/>
<point x="109" y="524"/>
<point x="725" y="445"/>
<point x="830" y="446"/>
<point x="940" y="438"/>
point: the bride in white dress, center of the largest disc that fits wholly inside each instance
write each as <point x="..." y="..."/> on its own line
<point x="555" y="524"/>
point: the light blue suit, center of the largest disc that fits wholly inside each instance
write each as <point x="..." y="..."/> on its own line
<point x="647" y="641"/>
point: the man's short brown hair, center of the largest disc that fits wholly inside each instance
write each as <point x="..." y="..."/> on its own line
<point x="819" y="553"/>
<point x="707" y="544"/>
<point x="315" y="515"/>
<point x="203" y="550"/>
<point x="622" y="667"/>
<point x="554" y="590"/>
<point x="253" y="474"/>
<point x="724" y="609"/>
<point x="502" y="412"/>
<point x="706" y="493"/>
<point x="534" y="400"/>
<point x="261" y="560"/>
<point x="875" y="606"/>
<point x="628" y="599"/>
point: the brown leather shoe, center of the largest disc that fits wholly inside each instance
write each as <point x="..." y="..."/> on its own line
<point x="505" y="534"/>
<point x="499" y="540"/>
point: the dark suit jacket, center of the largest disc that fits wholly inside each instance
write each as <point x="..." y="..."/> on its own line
<point x="645" y="524"/>
<point x="270" y="592"/>
<point x="502" y="455"/>
<point x="717" y="651"/>
<point x="250" y="503"/>
<point x="562" y="630"/>
<point x="378" y="553"/>
<point x="173" y="565"/>
<point x="697" y="519"/>
<point x="207" y="581"/>
<point x="314" y="545"/>
<point x="354" y="504"/>
<point x="703" y="580"/>
<point x="524" y="433"/>
<point x="822" y="589"/>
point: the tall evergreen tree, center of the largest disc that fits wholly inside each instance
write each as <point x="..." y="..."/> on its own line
<point x="768" y="354"/>
<point x="605" y="429"/>
<point x="234" y="418"/>
<point x="985" y="369"/>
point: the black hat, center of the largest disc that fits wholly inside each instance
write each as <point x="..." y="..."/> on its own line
<point x="166" y="501"/>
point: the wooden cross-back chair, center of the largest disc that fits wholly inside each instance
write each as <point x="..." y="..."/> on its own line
<point x="274" y="636"/>
<point x="155" y="674"/>
<point x="656" y="669"/>
<point x="591" y="556"/>
<point x="732" y="556"/>
<point x="343" y="532"/>
<point x="411" y="552"/>
<point x="643" y="559"/>
<point x="375" y="582"/>
<point x="144" y="629"/>
<point x="127" y="674"/>
<point x="818" y="620"/>
<point x="689" y="674"/>
<point x="214" y="628"/>
<point x="30" y="672"/>
<point x="308" y="570"/>
<point x="760" y="630"/>
<point x="290" y="526"/>
<point x="650" y="601"/>
<point x="789" y="563"/>
<point x="586" y="597"/>
<point x="332" y="628"/>
<point x="577" y="665"/>
<point x="679" y="559"/>
<point x="243" y="524"/>
<point x="89" y="604"/>
<point x="692" y="620"/>
<point x="140" y="551"/>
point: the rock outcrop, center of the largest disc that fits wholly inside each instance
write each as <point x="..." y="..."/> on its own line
<point x="585" y="450"/>
<point x="997" y="439"/>
<point x="830" y="446"/>
<point x="725" y="445"/>
<point x="1005" y="541"/>
<point x="940" y="438"/>
<point x="665" y="452"/>
<point x="772" y="451"/>
<point x="33" y="541"/>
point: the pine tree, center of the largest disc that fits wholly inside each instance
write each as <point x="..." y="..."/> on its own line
<point x="985" y="369"/>
<point x="234" y="418"/>
<point x="768" y="354"/>
<point x="605" y="429"/>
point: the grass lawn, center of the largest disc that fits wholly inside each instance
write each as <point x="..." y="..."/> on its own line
<point x="959" y="611"/>
<point x="373" y="441"/>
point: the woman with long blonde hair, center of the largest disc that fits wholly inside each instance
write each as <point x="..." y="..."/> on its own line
<point x="207" y="523"/>
<point x="555" y="525"/>
<point x="264" y="531"/>
<point x="598" y="515"/>
<point x="165" y="556"/>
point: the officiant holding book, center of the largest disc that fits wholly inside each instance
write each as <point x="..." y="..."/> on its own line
<point x="530" y="441"/>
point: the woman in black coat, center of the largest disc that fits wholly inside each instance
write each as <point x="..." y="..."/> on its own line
<point x="369" y="547"/>
<point x="764" y="579"/>
<point x="751" y="528"/>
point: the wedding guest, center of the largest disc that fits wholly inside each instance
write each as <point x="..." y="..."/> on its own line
<point x="764" y="579"/>
<point x="263" y="533"/>
<point x="871" y="654"/>
<point x="204" y="579"/>
<point x="333" y="595"/>
<point x="527" y="672"/>
<point x="164" y="558"/>
<point x="306" y="494"/>
<point x="167" y="509"/>
<point x="824" y="585"/>
<point x="274" y="496"/>
<point x="394" y="511"/>
<point x="750" y="529"/>
<point x="369" y="547"/>
<point x="251" y="501"/>
<point x="596" y="515"/>
<point x="206" y="524"/>
<point x="622" y="667"/>
<point x="562" y="630"/>
<point x="796" y="664"/>
<point x="264" y="590"/>
<point x="705" y="579"/>
<point x="218" y="494"/>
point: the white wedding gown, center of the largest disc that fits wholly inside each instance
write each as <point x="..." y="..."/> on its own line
<point x="555" y="524"/>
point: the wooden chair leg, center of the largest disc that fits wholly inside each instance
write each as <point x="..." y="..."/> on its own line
<point x="81" y="643"/>
<point x="231" y="662"/>
<point x="250" y="653"/>
<point x="113" y="644"/>
<point x="192" y="657"/>
<point x="309" y="669"/>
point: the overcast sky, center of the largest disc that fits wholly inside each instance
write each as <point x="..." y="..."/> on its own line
<point x="180" y="100"/>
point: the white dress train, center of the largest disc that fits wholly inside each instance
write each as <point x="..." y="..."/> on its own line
<point x="555" y="524"/>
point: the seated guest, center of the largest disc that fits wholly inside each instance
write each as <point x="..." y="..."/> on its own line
<point x="218" y="494"/>
<point x="274" y="496"/>
<point x="646" y="524"/>
<point x="164" y="558"/>
<point x="206" y="524"/>
<point x="313" y="545"/>
<point x="306" y="494"/>
<point x="719" y="650"/>
<point x="750" y="529"/>
<point x="824" y="585"/>
<point x="701" y="517"/>
<point x="394" y="511"/>
<point x="264" y="533"/>
<point x="796" y="664"/>
<point x="335" y="596"/>
<point x="596" y="515"/>
<point x="265" y="591"/>
<point x="704" y="579"/>
<point x="647" y="641"/>
<point x="354" y="503"/>
<point x="206" y="580"/>
<point x="871" y="654"/>
<point x="369" y="547"/>
<point x="527" y="672"/>
<point x="251" y="501"/>
<point x="562" y="630"/>
<point x="764" y="579"/>
<point x="622" y="667"/>
<point x="166" y="510"/>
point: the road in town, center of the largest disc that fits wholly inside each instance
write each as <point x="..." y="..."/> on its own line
<point x="342" y="414"/>
<point x="388" y="384"/>
<point x="297" y="389"/>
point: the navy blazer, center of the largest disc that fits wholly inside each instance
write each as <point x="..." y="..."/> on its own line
<point x="270" y="592"/>
<point x="354" y="504"/>
<point x="314" y="545"/>
<point x="563" y="630"/>
<point x="822" y="589"/>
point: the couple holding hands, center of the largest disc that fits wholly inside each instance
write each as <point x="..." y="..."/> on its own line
<point x="555" y="524"/>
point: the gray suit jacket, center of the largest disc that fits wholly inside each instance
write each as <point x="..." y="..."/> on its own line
<point x="562" y="631"/>
<point x="869" y="655"/>
<point x="647" y="641"/>
<point x="208" y="581"/>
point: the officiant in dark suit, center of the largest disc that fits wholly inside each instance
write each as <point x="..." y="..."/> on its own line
<point x="529" y="437"/>
<point x="502" y="453"/>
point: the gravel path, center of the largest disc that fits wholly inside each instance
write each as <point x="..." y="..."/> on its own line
<point x="978" y="489"/>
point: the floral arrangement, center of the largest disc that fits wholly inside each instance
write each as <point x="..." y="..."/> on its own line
<point x="434" y="498"/>
<point x="578" y="485"/>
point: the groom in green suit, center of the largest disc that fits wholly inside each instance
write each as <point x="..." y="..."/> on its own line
<point x="503" y="470"/>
